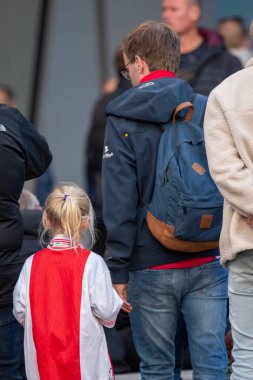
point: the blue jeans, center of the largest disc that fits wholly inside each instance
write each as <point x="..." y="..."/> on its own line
<point x="9" y="345"/>
<point x="180" y="341"/>
<point x="157" y="296"/>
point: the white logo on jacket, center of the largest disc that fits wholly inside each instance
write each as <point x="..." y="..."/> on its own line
<point x="2" y="128"/>
<point x="106" y="152"/>
<point x="146" y="85"/>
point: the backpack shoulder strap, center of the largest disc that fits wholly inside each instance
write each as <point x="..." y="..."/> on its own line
<point x="182" y="106"/>
<point x="199" y="108"/>
<point x="195" y="111"/>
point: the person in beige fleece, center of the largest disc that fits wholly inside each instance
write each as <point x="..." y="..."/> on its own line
<point x="229" y="142"/>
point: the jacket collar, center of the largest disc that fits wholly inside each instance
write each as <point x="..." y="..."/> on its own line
<point x="61" y="242"/>
<point x="158" y="74"/>
<point x="211" y="37"/>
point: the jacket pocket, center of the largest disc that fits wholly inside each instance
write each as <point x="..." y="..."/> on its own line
<point x="198" y="218"/>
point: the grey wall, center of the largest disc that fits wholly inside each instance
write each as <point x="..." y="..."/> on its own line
<point x="122" y="16"/>
<point x="243" y="8"/>
<point x="69" y="84"/>
<point x="19" y="21"/>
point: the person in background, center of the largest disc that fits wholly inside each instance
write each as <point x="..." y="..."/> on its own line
<point x="205" y="62"/>
<point x="156" y="283"/>
<point x="28" y="201"/>
<point x="94" y="149"/>
<point x="64" y="296"/>
<point x="229" y="135"/>
<point x="24" y="155"/>
<point x="31" y="214"/>
<point x="119" y="338"/>
<point x="44" y="183"/>
<point x="7" y="95"/>
<point x="235" y="36"/>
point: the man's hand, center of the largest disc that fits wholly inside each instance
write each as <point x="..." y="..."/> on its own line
<point x="229" y="344"/>
<point x="121" y="289"/>
<point x="250" y="221"/>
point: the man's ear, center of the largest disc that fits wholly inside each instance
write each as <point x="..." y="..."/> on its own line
<point x="194" y="13"/>
<point x="141" y="65"/>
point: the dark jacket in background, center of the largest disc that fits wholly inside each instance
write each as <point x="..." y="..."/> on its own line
<point x="95" y="145"/>
<point x="44" y="185"/>
<point x="31" y="222"/>
<point x="24" y="155"/>
<point x="133" y="131"/>
<point x="206" y="67"/>
<point x="93" y="159"/>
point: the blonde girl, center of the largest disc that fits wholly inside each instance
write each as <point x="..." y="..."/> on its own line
<point x="64" y="296"/>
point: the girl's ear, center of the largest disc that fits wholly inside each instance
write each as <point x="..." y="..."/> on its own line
<point x="45" y="220"/>
<point x="85" y="223"/>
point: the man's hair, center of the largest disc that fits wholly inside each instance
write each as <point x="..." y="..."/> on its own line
<point x="196" y="2"/>
<point x="118" y="60"/>
<point x="154" y="42"/>
<point x="238" y="20"/>
<point x="8" y="91"/>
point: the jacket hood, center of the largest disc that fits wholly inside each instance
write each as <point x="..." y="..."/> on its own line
<point x="211" y="38"/>
<point x="153" y="101"/>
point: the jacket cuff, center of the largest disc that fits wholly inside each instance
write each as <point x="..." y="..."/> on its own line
<point x="119" y="276"/>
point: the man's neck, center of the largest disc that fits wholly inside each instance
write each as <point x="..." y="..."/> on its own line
<point x="190" y="41"/>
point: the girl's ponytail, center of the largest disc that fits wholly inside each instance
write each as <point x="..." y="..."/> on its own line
<point x="65" y="210"/>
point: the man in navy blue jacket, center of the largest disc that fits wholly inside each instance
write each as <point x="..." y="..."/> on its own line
<point x="156" y="283"/>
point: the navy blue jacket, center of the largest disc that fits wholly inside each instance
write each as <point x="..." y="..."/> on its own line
<point x="134" y="126"/>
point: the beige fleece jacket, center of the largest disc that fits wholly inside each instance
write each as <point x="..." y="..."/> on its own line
<point x="228" y="130"/>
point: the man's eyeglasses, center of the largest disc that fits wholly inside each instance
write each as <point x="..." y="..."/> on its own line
<point x="125" y="72"/>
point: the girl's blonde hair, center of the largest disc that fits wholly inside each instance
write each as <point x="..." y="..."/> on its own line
<point x="65" y="209"/>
